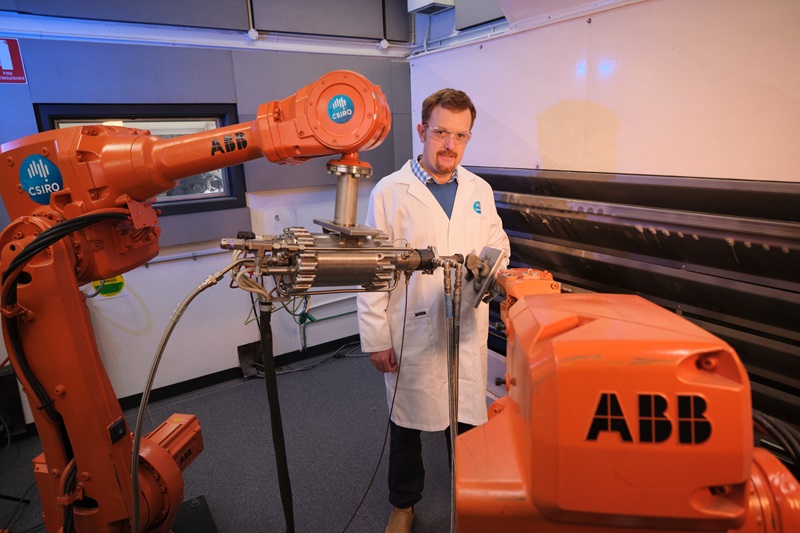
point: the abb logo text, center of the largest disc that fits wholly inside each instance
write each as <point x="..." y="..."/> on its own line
<point x="653" y="424"/>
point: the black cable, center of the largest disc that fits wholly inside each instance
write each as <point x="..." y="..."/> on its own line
<point x="770" y="426"/>
<point x="12" y="520"/>
<point x="55" y="233"/>
<point x="45" y="402"/>
<point x="389" y="419"/>
<point x="786" y="436"/>
<point x="22" y="499"/>
<point x="793" y="431"/>
<point x="276" y="422"/>
<point x="44" y="240"/>
<point x="355" y="344"/>
<point x="68" y="525"/>
<point x="329" y="359"/>
<point x="40" y="243"/>
<point x="791" y="440"/>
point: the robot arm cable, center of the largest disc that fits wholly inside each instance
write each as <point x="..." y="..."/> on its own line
<point x="8" y="297"/>
<point x="59" y="231"/>
<point x="786" y="436"/>
<point x="68" y="485"/>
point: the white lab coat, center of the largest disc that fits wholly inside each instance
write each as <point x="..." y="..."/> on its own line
<point x="402" y="207"/>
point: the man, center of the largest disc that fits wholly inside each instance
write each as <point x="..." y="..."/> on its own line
<point x="431" y="201"/>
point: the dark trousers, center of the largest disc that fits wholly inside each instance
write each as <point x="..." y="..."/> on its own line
<point x="406" y="471"/>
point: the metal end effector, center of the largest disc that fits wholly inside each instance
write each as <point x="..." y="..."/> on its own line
<point x="482" y="271"/>
<point x="299" y="261"/>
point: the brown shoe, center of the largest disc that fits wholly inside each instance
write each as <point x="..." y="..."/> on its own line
<point x="400" y="520"/>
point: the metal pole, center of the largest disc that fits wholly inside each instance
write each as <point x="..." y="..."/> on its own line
<point x="452" y="322"/>
<point x="454" y="342"/>
<point x="452" y="375"/>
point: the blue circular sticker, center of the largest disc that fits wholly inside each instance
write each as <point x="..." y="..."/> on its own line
<point x="39" y="177"/>
<point x="340" y="108"/>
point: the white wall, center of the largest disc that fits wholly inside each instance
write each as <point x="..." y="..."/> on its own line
<point x="129" y="327"/>
<point x="706" y="88"/>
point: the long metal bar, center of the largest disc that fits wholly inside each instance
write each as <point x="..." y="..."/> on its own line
<point x="452" y="300"/>
<point x="547" y="205"/>
<point x="770" y="200"/>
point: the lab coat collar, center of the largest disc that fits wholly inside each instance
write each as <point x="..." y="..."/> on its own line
<point x="466" y="184"/>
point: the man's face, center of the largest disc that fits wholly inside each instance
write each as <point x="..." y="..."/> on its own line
<point x="441" y="157"/>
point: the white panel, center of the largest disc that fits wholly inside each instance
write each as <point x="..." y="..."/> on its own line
<point x="128" y="328"/>
<point x="681" y="88"/>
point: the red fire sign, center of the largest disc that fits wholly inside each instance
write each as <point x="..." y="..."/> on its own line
<point x="11" y="68"/>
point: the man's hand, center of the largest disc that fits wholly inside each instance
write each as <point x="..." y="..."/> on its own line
<point x="384" y="361"/>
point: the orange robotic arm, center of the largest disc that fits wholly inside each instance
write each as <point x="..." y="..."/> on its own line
<point x="80" y="204"/>
<point x="620" y="416"/>
<point x="80" y="170"/>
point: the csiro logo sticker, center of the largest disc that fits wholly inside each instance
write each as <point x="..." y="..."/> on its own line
<point x="39" y="177"/>
<point x="340" y="108"/>
<point x="477" y="207"/>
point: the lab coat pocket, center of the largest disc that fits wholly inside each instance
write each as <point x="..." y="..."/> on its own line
<point x="419" y="341"/>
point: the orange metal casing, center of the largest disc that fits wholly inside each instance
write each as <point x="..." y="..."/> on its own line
<point x="294" y="128"/>
<point x="166" y="452"/>
<point x="533" y="462"/>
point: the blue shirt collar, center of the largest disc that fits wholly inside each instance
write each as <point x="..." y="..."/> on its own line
<point x="423" y="176"/>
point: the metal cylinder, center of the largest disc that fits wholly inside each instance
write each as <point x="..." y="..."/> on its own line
<point x="348" y="170"/>
<point x="346" y="209"/>
<point x="349" y="268"/>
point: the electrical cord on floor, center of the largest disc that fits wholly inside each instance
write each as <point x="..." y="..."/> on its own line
<point x="13" y="520"/>
<point x="338" y="354"/>
<point x="391" y="410"/>
<point x="21" y="500"/>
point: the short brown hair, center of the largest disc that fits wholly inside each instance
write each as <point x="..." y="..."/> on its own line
<point x="450" y="99"/>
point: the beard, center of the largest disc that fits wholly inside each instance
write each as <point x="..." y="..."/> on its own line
<point x="446" y="167"/>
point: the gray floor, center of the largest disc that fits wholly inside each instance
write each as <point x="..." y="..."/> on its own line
<point x="334" y="419"/>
